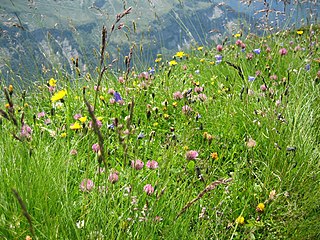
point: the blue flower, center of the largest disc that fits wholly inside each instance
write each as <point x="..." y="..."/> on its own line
<point x="152" y="71"/>
<point x="307" y="67"/>
<point x="117" y="96"/>
<point x="218" y="57"/>
<point x="257" y="51"/>
<point x="251" y="78"/>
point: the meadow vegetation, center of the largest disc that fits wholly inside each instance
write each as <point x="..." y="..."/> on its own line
<point x="217" y="142"/>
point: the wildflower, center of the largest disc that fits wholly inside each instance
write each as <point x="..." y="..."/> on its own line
<point x="148" y="189"/>
<point x="202" y="97"/>
<point x="111" y="91"/>
<point x="47" y="121"/>
<point x="191" y="155"/>
<point x="260" y="207"/>
<point x="202" y="61"/>
<point x="283" y="51"/>
<point x="117" y="96"/>
<point x="218" y="57"/>
<point x="219" y="48"/>
<point x="198" y="89"/>
<point x="299" y="32"/>
<point x="151" y="71"/>
<point x="141" y="135"/>
<point x="263" y="87"/>
<point x="174" y="104"/>
<point x="273" y="77"/>
<point x="158" y="60"/>
<point x="166" y="116"/>
<point x="307" y="67"/>
<point x="257" y="51"/>
<point x="200" y="48"/>
<point x="186" y="109"/>
<point x="95" y="147"/>
<point x="137" y="164"/>
<point x="240" y="220"/>
<point x="86" y="185"/>
<point x="238" y="42"/>
<point x="26" y="131"/>
<point x="243" y="46"/>
<point x="237" y="35"/>
<point x="83" y="119"/>
<point x="249" y="56"/>
<point x="251" y="78"/>
<point x="251" y="143"/>
<point x="214" y="156"/>
<point x="121" y="79"/>
<point x="185" y="148"/>
<point x="10" y="89"/>
<point x="41" y="114"/>
<point x="152" y="164"/>
<point x="101" y="98"/>
<point x="52" y="82"/>
<point x="272" y="195"/>
<point x="77" y="116"/>
<point x="28" y="237"/>
<point x="177" y="95"/>
<point x="180" y="54"/>
<point x="63" y="135"/>
<point x="73" y="152"/>
<point x="173" y="63"/>
<point x="58" y="96"/>
<point x="75" y="126"/>
<point x="113" y="177"/>
<point x="80" y="224"/>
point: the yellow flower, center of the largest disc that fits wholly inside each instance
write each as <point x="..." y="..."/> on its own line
<point x="155" y="124"/>
<point x="52" y="82"/>
<point x="83" y="119"/>
<point x="240" y="220"/>
<point x="101" y="98"/>
<point x="185" y="148"/>
<point x="173" y="63"/>
<point x="99" y="118"/>
<point x="202" y="60"/>
<point x="300" y="32"/>
<point x="63" y="135"/>
<point x="7" y="105"/>
<point x="158" y="60"/>
<point x="58" y="96"/>
<point x="174" y="104"/>
<point x="212" y="63"/>
<point x="260" y="207"/>
<point x="166" y="116"/>
<point x="10" y="88"/>
<point x="200" y="48"/>
<point x="75" y="126"/>
<point x="214" y="156"/>
<point x="237" y="35"/>
<point x="180" y="54"/>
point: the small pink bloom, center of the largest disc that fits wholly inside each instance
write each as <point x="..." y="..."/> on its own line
<point x="96" y="147"/>
<point x="186" y="109"/>
<point x="51" y="89"/>
<point x="202" y="97"/>
<point x="263" y="87"/>
<point x="86" y="185"/>
<point x="219" y="48"/>
<point x="112" y="101"/>
<point x="268" y="50"/>
<point x="138" y="164"/>
<point x="152" y="164"/>
<point x="273" y="77"/>
<point x="177" y="95"/>
<point x="198" y="89"/>
<point x="249" y="56"/>
<point x="238" y="42"/>
<point x="283" y="51"/>
<point x="47" y="121"/>
<point x="192" y="154"/>
<point x="26" y="131"/>
<point x="148" y="189"/>
<point x="113" y="177"/>
<point x="121" y="80"/>
<point x="41" y="114"/>
<point x="243" y="46"/>
<point x="77" y="116"/>
<point x="111" y="91"/>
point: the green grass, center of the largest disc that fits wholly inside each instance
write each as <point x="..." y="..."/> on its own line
<point x="282" y="121"/>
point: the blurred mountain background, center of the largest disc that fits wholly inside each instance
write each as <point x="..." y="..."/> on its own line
<point x="38" y="35"/>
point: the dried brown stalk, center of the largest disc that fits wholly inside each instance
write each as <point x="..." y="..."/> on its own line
<point x="201" y="194"/>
